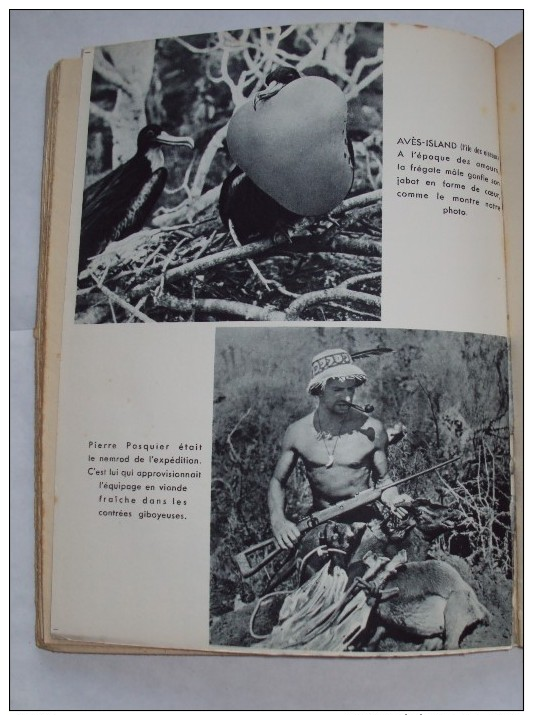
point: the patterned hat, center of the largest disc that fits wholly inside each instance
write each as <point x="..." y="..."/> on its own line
<point x="334" y="364"/>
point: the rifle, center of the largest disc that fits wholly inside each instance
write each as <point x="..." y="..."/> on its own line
<point x="367" y="496"/>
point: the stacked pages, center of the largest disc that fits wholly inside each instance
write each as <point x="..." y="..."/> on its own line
<point x="279" y="350"/>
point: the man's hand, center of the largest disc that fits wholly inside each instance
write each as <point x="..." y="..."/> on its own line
<point x="395" y="501"/>
<point x="285" y="532"/>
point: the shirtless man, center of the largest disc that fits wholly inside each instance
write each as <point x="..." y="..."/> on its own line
<point x="344" y="450"/>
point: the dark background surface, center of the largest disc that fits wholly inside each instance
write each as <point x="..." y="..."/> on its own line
<point x="42" y="680"/>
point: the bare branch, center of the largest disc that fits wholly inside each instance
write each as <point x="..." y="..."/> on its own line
<point x="138" y="307"/>
<point x="370" y="77"/>
<point x="188" y="210"/>
<point x="232" y="450"/>
<point x="356" y="202"/>
<point x="252" y="249"/>
<point x="205" y="162"/>
<point x="97" y="111"/>
<point x="124" y="304"/>
<point x="251" y="263"/>
<point x="109" y="73"/>
<point x="216" y="306"/>
<point x="364" y="62"/>
<point x="232" y="254"/>
<point x="335" y="244"/>
<point x="341" y="293"/>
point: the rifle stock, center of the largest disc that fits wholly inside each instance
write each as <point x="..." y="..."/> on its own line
<point x="367" y="496"/>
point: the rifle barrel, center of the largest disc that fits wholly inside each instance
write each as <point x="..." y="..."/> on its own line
<point x="319" y="517"/>
<point x="419" y="474"/>
<point x="367" y="496"/>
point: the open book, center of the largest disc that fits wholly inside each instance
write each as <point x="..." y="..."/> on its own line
<point x="273" y="285"/>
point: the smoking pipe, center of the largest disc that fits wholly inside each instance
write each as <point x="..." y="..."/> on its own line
<point x="366" y="409"/>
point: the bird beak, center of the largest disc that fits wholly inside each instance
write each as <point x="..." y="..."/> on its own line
<point x="165" y="138"/>
<point x="272" y="89"/>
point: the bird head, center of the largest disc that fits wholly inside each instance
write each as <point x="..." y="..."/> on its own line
<point x="153" y="134"/>
<point x="275" y="81"/>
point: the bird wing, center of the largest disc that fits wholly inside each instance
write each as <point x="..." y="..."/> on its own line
<point x="118" y="205"/>
<point x="227" y="193"/>
<point x="110" y="196"/>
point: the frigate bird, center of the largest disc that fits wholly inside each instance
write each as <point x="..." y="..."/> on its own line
<point x="250" y="210"/>
<point x="254" y="211"/>
<point x="119" y="204"/>
<point x="275" y="81"/>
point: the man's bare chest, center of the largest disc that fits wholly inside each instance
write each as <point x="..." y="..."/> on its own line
<point x="353" y="449"/>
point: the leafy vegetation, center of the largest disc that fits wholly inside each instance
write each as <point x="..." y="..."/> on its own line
<point x="450" y="391"/>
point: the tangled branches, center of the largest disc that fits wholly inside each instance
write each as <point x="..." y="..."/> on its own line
<point x="482" y="499"/>
<point x="182" y="265"/>
<point x="174" y="274"/>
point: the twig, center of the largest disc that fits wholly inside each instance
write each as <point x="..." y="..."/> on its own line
<point x="205" y="245"/>
<point x="195" y="208"/>
<point x="370" y="77"/>
<point x="167" y="262"/>
<point x="366" y="62"/>
<point x="371" y="197"/>
<point x="217" y="259"/>
<point x="258" y="247"/>
<point x="138" y="307"/>
<point x="124" y="304"/>
<point x="336" y="244"/>
<point x="281" y="288"/>
<point x="109" y="73"/>
<point x="112" y="309"/>
<point x="205" y="162"/>
<point x="251" y="263"/>
<point x="148" y="260"/>
<point x="361" y="313"/>
<point x="234" y="454"/>
<point x="97" y="111"/>
<point x="340" y="292"/>
<point x="219" y="306"/>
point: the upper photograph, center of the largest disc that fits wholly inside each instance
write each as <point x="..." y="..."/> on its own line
<point x="234" y="176"/>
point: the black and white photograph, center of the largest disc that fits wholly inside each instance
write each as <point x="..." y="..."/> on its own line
<point x="234" y="176"/>
<point x="361" y="492"/>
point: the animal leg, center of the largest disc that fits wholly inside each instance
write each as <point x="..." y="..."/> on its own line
<point x="457" y="616"/>
<point x="374" y="640"/>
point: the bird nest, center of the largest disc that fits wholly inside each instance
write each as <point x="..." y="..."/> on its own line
<point x="326" y="268"/>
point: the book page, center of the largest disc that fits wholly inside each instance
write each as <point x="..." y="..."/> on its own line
<point x="163" y="466"/>
<point x="62" y="115"/>
<point x="509" y="66"/>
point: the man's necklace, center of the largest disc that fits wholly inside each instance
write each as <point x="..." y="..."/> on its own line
<point x="327" y="435"/>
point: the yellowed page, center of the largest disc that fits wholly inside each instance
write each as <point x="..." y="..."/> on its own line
<point x="442" y="271"/>
<point x="58" y="167"/>
<point x="509" y="69"/>
<point x="134" y="393"/>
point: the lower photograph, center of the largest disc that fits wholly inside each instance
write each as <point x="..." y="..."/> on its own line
<point x="361" y="491"/>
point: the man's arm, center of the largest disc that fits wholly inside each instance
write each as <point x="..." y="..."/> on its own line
<point x="285" y="532"/>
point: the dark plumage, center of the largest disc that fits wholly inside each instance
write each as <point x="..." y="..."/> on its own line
<point x="250" y="209"/>
<point x="119" y="203"/>
<point x="253" y="212"/>
<point x="275" y="81"/>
